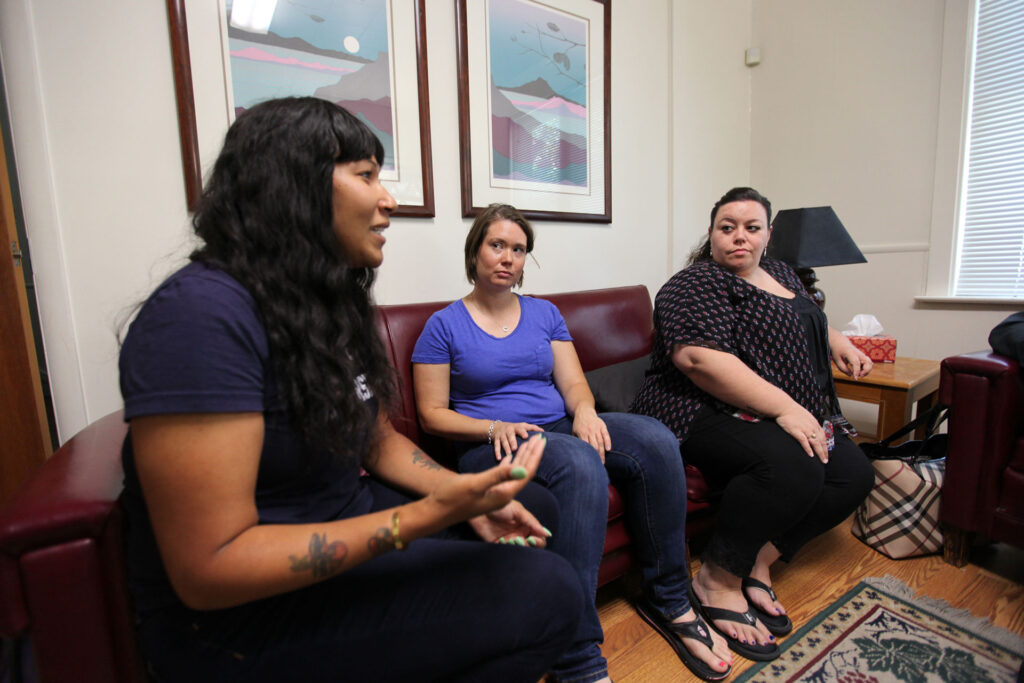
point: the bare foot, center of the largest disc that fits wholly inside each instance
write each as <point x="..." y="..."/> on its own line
<point x="762" y="572"/>
<point x="719" y="658"/>
<point x="715" y="590"/>
<point x="762" y="599"/>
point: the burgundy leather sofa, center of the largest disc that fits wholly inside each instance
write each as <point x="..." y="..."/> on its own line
<point x="983" y="492"/>
<point x="608" y="326"/>
<point x="62" y="576"/>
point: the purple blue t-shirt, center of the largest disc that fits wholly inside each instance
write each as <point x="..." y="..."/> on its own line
<point x="198" y="345"/>
<point x="504" y="378"/>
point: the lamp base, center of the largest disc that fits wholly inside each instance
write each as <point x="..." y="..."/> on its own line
<point x="810" y="281"/>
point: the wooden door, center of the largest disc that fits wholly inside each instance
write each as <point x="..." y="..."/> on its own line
<point x="24" y="432"/>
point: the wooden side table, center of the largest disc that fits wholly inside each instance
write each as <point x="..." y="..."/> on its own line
<point x="894" y="387"/>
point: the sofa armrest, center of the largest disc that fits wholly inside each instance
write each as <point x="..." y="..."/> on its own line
<point x="62" y="573"/>
<point x="983" y="391"/>
<point x="71" y="495"/>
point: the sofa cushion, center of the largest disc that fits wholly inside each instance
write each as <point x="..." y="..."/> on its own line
<point x="614" y="386"/>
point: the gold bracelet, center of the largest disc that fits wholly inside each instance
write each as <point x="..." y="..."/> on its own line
<point x="395" y="538"/>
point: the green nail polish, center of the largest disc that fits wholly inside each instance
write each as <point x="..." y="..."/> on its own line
<point x="518" y="540"/>
<point x="548" y="531"/>
<point x="518" y="473"/>
<point x="532" y="541"/>
<point x="502" y="541"/>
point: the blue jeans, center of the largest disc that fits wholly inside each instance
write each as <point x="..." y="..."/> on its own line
<point x="644" y="462"/>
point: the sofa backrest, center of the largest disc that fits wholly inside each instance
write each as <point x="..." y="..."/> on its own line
<point x="607" y="326"/>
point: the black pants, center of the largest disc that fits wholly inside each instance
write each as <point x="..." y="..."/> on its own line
<point x="447" y="608"/>
<point x="771" y="489"/>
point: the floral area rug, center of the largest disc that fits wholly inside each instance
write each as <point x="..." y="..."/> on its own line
<point x="880" y="632"/>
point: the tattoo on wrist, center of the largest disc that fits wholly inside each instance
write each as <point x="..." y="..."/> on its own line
<point x="380" y="542"/>
<point x="323" y="559"/>
<point x="423" y="460"/>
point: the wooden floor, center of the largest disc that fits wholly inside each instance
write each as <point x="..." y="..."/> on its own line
<point x="992" y="586"/>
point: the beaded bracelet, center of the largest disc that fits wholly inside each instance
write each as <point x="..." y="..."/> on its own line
<point x="395" y="538"/>
<point x="490" y="431"/>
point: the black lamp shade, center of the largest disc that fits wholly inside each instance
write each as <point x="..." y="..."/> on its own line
<point x="812" y="237"/>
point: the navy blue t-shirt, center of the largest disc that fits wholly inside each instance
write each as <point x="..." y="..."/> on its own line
<point x="198" y="345"/>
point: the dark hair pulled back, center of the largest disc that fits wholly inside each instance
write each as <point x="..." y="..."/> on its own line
<point x="736" y="194"/>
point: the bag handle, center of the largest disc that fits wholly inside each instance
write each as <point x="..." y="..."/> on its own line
<point x="931" y="418"/>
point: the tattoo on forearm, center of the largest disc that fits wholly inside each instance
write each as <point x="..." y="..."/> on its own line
<point x="423" y="460"/>
<point x="380" y="542"/>
<point x="323" y="559"/>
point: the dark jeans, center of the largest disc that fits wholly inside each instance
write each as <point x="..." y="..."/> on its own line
<point x="447" y="608"/>
<point x="772" y="490"/>
<point x="645" y="461"/>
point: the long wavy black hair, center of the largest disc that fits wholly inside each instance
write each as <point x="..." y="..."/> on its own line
<point x="266" y="218"/>
<point x="736" y="194"/>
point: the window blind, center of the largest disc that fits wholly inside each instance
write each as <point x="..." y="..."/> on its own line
<point x="990" y="253"/>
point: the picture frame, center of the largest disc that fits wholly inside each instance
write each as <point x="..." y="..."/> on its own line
<point x="534" y="84"/>
<point x="400" y="114"/>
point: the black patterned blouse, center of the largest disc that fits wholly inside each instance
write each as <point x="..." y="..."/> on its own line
<point x="706" y="305"/>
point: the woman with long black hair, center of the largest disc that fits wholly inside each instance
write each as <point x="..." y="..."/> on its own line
<point x="255" y="390"/>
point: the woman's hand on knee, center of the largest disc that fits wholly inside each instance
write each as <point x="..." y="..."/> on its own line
<point x="508" y="434"/>
<point x="802" y="426"/>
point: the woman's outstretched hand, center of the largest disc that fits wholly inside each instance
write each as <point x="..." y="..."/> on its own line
<point x="511" y="524"/>
<point x="486" y="499"/>
<point x="505" y="436"/>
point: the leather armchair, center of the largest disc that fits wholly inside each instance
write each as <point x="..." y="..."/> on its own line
<point x="983" y="491"/>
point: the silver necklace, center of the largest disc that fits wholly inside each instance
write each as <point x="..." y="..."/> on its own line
<point x="504" y="328"/>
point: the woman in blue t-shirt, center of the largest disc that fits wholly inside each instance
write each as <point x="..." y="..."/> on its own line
<point x="255" y="388"/>
<point x="494" y="367"/>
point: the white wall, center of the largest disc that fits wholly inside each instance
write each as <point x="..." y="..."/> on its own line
<point x="96" y="151"/>
<point x="846" y="112"/>
<point x="711" y="114"/>
<point x="846" y="109"/>
<point x="98" y="162"/>
<point x="424" y="259"/>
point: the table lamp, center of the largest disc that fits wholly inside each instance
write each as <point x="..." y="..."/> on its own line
<point x="811" y="237"/>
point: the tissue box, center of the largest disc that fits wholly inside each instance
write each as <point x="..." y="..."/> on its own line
<point x="880" y="349"/>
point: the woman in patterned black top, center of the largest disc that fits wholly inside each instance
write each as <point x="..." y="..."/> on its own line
<point x="741" y="374"/>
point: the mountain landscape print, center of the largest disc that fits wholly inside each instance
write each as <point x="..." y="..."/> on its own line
<point x="538" y="95"/>
<point x="337" y="50"/>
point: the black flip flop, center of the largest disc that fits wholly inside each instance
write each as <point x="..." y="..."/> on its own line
<point x="760" y="653"/>
<point x="696" y="629"/>
<point x="777" y="624"/>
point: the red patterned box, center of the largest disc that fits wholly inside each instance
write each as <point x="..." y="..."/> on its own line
<point x="880" y="349"/>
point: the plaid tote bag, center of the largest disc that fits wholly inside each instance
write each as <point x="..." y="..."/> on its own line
<point x="900" y="517"/>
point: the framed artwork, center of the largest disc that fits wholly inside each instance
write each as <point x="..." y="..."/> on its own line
<point x="369" y="56"/>
<point x="534" y="107"/>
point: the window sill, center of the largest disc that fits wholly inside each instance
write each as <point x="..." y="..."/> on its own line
<point x="970" y="301"/>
